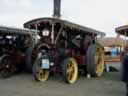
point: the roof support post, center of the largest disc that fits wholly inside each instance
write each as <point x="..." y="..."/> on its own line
<point x="61" y="29"/>
<point x="36" y="32"/>
<point x="52" y="35"/>
<point x="31" y="35"/>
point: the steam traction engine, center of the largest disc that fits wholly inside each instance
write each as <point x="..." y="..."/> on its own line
<point x="13" y="44"/>
<point x="64" y="48"/>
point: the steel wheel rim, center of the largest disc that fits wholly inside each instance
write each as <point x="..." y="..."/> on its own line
<point x="7" y="67"/>
<point x="39" y="73"/>
<point x="72" y="71"/>
<point x="99" y="61"/>
<point x="42" y="75"/>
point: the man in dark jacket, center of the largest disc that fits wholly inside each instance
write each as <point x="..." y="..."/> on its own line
<point x="125" y="71"/>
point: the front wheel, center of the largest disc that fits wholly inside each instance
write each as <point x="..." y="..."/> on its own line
<point x="40" y="74"/>
<point x="70" y="70"/>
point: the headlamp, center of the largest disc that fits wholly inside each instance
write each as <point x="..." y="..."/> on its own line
<point x="45" y="32"/>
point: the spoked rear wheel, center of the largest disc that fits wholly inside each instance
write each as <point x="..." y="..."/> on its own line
<point x="70" y="70"/>
<point x="95" y="60"/>
<point x="7" y="68"/>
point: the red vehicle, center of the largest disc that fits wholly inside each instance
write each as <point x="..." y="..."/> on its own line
<point x="64" y="47"/>
<point x="13" y="44"/>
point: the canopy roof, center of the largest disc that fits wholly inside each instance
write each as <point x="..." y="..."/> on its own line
<point x="4" y="30"/>
<point x="111" y="41"/>
<point x="123" y="30"/>
<point x="63" y="22"/>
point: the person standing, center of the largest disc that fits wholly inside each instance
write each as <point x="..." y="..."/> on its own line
<point x="125" y="71"/>
<point x="113" y="51"/>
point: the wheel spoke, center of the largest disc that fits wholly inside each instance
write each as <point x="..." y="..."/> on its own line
<point x="69" y="76"/>
<point x="39" y="73"/>
<point x="96" y="59"/>
<point x="68" y="66"/>
<point x="69" y="70"/>
<point x="70" y="63"/>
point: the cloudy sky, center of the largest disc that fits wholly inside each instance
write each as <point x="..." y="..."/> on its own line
<point x="102" y="15"/>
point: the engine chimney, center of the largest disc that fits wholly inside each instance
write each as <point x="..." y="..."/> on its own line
<point x="57" y="9"/>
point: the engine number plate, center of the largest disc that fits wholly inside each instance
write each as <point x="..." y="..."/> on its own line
<point x="45" y="64"/>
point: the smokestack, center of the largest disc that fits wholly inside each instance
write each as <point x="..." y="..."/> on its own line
<point x="57" y="9"/>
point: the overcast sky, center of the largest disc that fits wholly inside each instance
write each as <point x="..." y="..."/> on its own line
<point x="102" y="15"/>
